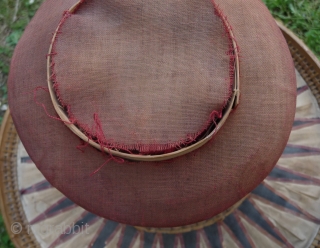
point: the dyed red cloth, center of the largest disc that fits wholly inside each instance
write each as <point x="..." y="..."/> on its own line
<point x="150" y="74"/>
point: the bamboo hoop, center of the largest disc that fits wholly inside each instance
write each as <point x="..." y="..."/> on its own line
<point x="232" y="103"/>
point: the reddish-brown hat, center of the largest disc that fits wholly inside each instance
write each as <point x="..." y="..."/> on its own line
<point x="119" y="104"/>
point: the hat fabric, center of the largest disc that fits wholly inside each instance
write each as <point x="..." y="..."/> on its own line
<point x="184" y="190"/>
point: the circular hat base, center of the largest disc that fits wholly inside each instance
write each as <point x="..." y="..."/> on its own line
<point x="208" y="180"/>
<point x="27" y="198"/>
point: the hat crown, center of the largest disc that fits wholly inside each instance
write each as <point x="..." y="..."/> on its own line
<point x="143" y="82"/>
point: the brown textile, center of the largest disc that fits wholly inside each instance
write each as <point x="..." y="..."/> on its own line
<point x="154" y="71"/>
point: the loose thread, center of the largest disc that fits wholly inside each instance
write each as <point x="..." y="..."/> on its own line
<point x="100" y="167"/>
<point x="43" y="106"/>
<point x="111" y="157"/>
<point x="51" y="54"/>
<point x="99" y="131"/>
<point x="83" y="145"/>
<point x="215" y="115"/>
<point x="101" y="139"/>
<point x="233" y="45"/>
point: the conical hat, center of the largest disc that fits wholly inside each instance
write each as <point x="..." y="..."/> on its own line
<point x="178" y="109"/>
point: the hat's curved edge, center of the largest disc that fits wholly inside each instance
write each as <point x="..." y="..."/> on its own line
<point x="52" y="171"/>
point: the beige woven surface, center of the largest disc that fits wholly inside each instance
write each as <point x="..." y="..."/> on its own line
<point x="309" y="67"/>
<point x="10" y="203"/>
<point x="305" y="62"/>
<point x="316" y="242"/>
<point x="196" y="226"/>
